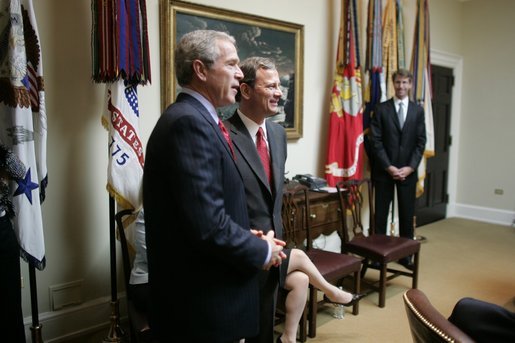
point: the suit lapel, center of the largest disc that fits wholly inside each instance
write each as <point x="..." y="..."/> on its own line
<point x="410" y="114"/>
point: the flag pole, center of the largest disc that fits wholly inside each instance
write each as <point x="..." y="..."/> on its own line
<point x="36" y="326"/>
<point x="115" y="331"/>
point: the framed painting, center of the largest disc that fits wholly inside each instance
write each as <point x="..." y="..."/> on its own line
<point x="255" y="36"/>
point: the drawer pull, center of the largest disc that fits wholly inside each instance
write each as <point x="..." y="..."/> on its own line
<point x="313" y="216"/>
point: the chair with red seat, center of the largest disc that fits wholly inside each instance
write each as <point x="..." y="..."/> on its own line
<point x="334" y="267"/>
<point x="378" y="251"/>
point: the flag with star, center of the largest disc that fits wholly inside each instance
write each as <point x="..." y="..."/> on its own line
<point x="23" y="122"/>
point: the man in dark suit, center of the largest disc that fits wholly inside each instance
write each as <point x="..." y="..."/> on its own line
<point x="203" y="259"/>
<point x="398" y="137"/>
<point x="258" y="98"/>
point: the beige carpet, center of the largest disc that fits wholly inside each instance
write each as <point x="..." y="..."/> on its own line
<point x="459" y="258"/>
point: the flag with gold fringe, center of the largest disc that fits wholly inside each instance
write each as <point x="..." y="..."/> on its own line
<point x="421" y="91"/>
<point x="345" y="139"/>
<point x="125" y="165"/>
<point x="23" y="121"/>
<point x="121" y="59"/>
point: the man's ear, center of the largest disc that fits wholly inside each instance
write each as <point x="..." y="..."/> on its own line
<point x="245" y="90"/>
<point x="199" y="69"/>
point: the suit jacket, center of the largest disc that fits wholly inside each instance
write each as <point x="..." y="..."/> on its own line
<point x="392" y="145"/>
<point x="203" y="261"/>
<point x="261" y="199"/>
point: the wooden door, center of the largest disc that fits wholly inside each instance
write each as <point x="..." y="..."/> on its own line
<point x="431" y="206"/>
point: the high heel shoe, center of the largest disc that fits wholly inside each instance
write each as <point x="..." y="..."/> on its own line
<point x="355" y="298"/>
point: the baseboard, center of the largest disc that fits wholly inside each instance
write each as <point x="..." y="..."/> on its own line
<point x="484" y="214"/>
<point x="77" y="321"/>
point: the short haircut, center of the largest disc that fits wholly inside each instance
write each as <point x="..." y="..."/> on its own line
<point x="404" y="73"/>
<point x="197" y="45"/>
<point x="250" y="66"/>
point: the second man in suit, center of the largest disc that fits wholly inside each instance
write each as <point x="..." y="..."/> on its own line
<point x="259" y="97"/>
<point x="398" y="136"/>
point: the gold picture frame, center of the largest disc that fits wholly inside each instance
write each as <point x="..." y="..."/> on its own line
<point x="255" y="36"/>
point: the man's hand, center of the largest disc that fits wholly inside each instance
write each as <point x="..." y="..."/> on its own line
<point x="399" y="174"/>
<point x="277" y="248"/>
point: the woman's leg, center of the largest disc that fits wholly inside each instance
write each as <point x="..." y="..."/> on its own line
<point x="297" y="285"/>
<point x="300" y="261"/>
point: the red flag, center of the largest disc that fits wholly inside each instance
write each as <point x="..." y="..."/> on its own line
<point x="345" y="145"/>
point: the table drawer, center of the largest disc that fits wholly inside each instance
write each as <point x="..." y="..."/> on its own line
<point x="324" y="213"/>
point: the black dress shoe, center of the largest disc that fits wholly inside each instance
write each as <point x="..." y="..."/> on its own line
<point x="355" y="299"/>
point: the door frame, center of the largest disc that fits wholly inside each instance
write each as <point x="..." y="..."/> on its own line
<point x="454" y="62"/>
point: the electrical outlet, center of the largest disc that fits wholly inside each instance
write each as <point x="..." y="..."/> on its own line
<point x="65" y="294"/>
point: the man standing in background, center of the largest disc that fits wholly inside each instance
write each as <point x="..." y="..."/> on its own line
<point x="398" y="140"/>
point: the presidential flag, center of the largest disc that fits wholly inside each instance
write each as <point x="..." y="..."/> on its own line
<point x="125" y="165"/>
<point x="345" y="146"/>
<point x="23" y="122"/>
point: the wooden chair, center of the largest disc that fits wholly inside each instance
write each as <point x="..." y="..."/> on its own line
<point x="427" y="324"/>
<point x="377" y="250"/>
<point x="334" y="267"/>
<point x="137" y="320"/>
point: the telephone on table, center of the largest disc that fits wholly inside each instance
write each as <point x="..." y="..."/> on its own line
<point x="308" y="180"/>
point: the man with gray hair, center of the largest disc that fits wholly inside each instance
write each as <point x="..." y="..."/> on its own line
<point x="203" y="259"/>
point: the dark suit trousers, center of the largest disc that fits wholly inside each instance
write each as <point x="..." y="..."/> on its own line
<point x="269" y="281"/>
<point x="406" y="196"/>
<point x="483" y="321"/>
<point x="11" y="316"/>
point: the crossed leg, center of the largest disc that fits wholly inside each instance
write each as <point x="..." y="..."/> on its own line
<point x="302" y="272"/>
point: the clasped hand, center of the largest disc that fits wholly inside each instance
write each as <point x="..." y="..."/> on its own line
<point x="277" y="245"/>
<point x="400" y="174"/>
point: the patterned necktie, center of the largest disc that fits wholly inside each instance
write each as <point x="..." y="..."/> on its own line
<point x="400" y="114"/>
<point x="227" y="137"/>
<point x="263" y="153"/>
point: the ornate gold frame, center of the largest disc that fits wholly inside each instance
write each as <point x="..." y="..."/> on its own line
<point x="285" y="40"/>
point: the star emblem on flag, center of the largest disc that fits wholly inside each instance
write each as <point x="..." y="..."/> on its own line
<point x="26" y="186"/>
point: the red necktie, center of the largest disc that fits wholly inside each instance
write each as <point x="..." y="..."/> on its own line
<point x="263" y="153"/>
<point x="226" y="136"/>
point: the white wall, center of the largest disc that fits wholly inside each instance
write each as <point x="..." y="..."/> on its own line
<point x="76" y="209"/>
